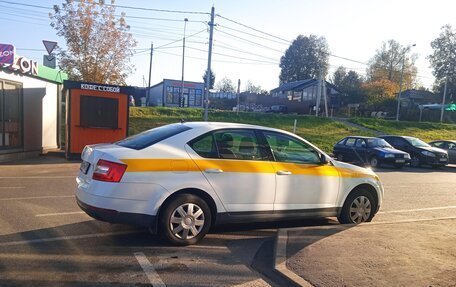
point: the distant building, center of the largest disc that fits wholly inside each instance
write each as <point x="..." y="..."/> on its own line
<point x="414" y="98"/>
<point x="168" y="94"/>
<point x="301" y="96"/>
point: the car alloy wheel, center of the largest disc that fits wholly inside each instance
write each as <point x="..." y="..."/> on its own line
<point x="360" y="209"/>
<point x="184" y="220"/>
<point x="187" y="221"/>
<point x="374" y="162"/>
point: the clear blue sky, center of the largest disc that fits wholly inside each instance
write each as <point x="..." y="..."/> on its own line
<point x="354" y="29"/>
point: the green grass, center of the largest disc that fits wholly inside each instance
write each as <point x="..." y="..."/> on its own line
<point x="320" y="131"/>
<point x="425" y="131"/>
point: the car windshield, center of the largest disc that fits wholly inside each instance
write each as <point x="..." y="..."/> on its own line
<point x="416" y="142"/>
<point x="378" y="143"/>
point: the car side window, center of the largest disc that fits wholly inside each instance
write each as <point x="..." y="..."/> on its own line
<point x="288" y="149"/>
<point x="439" y="144"/>
<point x="350" y="142"/>
<point x="360" y="143"/>
<point x="238" y="144"/>
<point x="452" y="146"/>
<point x="400" y="142"/>
<point x="205" y="146"/>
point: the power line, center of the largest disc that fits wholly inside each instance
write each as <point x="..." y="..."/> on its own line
<point x="254" y="29"/>
<point x="246" y="40"/>
<point x="27" y="5"/>
<point x="253" y="35"/>
<point x="235" y="57"/>
<point x="178" y="40"/>
<point x="244" y="52"/>
<point x="150" y="9"/>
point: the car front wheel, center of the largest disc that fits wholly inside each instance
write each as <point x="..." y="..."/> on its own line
<point x="358" y="207"/>
<point x="185" y="220"/>
<point x="374" y="162"/>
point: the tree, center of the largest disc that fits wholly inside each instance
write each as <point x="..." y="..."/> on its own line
<point x="304" y="59"/>
<point x="443" y="61"/>
<point x="251" y="88"/>
<point x="225" y="85"/>
<point x="99" y="46"/>
<point x="387" y="64"/>
<point x="349" y="83"/>
<point x="212" y="79"/>
<point x="380" y="91"/>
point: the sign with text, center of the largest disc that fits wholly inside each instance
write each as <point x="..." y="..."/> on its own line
<point x="6" y="54"/>
<point x="100" y="88"/>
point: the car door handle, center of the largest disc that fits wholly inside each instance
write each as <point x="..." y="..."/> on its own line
<point x="213" y="170"/>
<point x="284" y="172"/>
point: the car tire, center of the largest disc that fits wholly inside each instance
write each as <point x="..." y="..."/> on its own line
<point x="185" y="220"/>
<point x="359" y="207"/>
<point x="415" y="161"/>
<point x="373" y="162"/>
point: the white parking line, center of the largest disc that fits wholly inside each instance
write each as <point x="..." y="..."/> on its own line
<point x="417" y="209"/>
<point x="36" y="197"/>
<point x="406" y="221"/>
<point x="12" y="187"/>
<point x="60" y="213"/>
<point x="71" y="237"/>
<point x="149" y="269"/>
<point x="38" y="177"/>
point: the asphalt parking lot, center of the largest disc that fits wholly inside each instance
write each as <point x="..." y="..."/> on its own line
<point x="45" y="240"/>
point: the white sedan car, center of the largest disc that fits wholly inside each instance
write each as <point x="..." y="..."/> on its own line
<point x="181" y="179"/>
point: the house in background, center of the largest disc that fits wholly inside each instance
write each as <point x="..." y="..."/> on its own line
<point x="168" y="94"/>
<point x="414" y="98"/>
<point x="301" y="96"/>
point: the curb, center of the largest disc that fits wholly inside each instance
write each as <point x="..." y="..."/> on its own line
<point x="280" y="260"/>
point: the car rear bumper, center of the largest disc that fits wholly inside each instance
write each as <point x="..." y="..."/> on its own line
<point x="114" y="216"/>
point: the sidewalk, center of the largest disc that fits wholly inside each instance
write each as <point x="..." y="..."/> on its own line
<point x="413" y="253"/>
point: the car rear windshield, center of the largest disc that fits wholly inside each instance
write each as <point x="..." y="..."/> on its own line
<point x="150" y="137"/>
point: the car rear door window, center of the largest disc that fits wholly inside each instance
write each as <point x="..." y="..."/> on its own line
<point x="360" y="143"/>
<point x="238" y="144"/>
<point x="350" y="142"/>
<point x="288" y="149"/>
<point x="150" y="137"/>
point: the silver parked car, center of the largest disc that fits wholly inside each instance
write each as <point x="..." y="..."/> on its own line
<point x="449" y="146"/>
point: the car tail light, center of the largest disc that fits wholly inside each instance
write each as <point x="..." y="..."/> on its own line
<point x="109" y="171"/>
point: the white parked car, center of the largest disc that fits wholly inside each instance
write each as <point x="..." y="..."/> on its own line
<point x="183" y="178"/>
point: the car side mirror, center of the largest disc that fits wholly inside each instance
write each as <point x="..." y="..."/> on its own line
<point x="324" y="159"/>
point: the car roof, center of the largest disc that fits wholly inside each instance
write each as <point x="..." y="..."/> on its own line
<point x="226" y="125"/>
<point x="361" y="137"/>
<point x="450" y="141"/>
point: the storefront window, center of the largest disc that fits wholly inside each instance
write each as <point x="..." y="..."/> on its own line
<point x="169" y="95"/>
<point x="198" y="97"/>
<point x="176" y="95"/>
<point x="10" y="115"/>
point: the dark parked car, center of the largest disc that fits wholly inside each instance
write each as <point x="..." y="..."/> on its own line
<point x="449" y="146"/>
<point x="420" y="152"/>
<point x="368" y="150"/>
<point x="281" y="109"/>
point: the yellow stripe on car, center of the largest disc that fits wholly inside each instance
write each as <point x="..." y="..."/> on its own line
<point x="188" y="165"/>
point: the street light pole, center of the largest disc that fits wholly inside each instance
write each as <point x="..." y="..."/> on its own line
<point x="209" y="58"/>
<point x="182" y="100"/>
<point x="400" y="85"/>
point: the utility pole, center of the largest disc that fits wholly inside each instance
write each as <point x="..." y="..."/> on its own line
<point x="182" y="99"/>
<point x="238" y="95"/>
<point x="209" y="58"/>
<point x="400" y="90"/>
<point x="317" y="107"/>
<point x="150" y="72"/>
<point x="443" y="99"/>
<point x="324" y="97"/>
